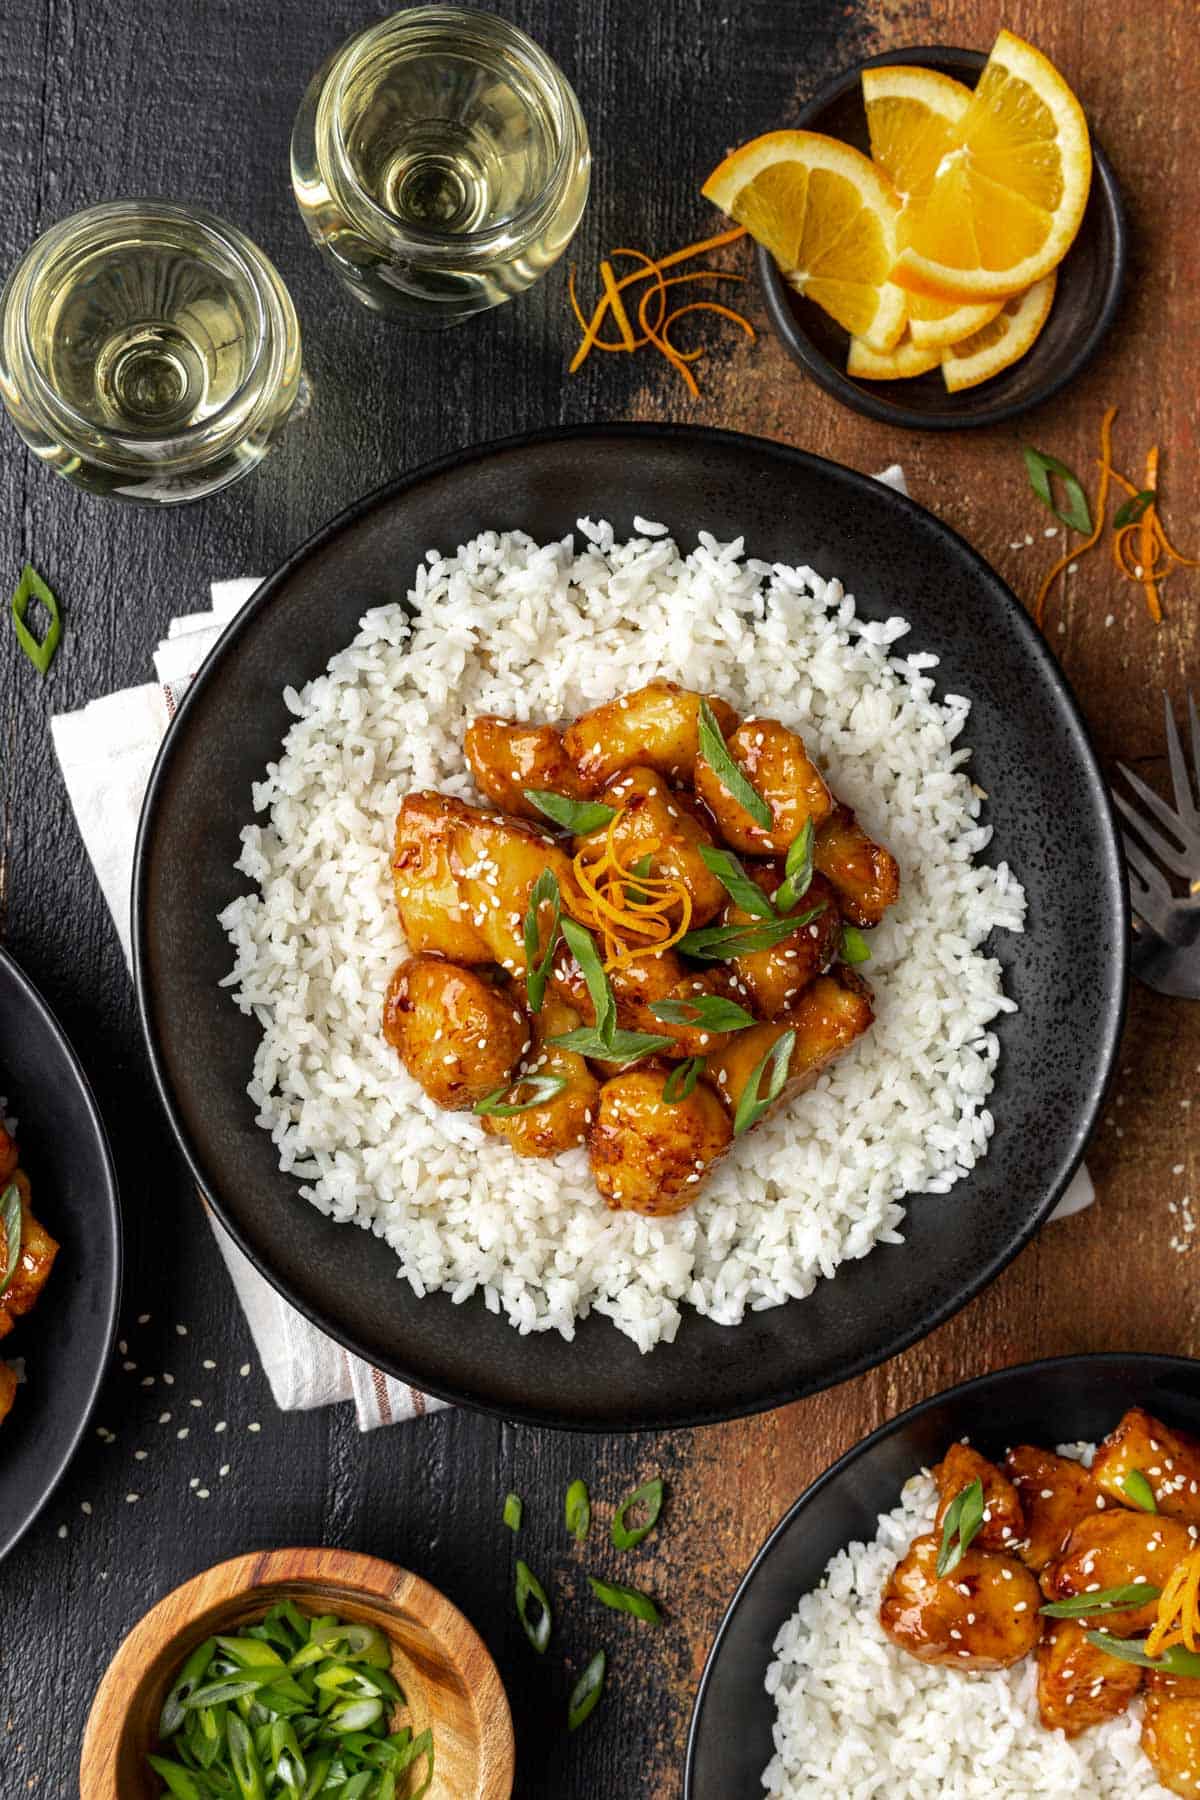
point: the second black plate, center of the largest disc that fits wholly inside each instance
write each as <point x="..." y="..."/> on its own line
<point x="1048" y="805"/>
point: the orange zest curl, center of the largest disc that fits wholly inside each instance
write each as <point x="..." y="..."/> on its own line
<point x="653" y="332"/>
<point x="1141" y="550"/>
<point x="621" y="905"/>
<point x="1178" y="1619"/>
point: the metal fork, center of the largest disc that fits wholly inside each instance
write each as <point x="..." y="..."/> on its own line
<point x="1166" y="951"/>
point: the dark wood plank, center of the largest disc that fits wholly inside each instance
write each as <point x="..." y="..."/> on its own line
<point x="196" y="100"/>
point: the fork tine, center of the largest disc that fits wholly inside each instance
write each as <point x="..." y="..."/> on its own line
<point x="1179" y="856"/>
<point x="1184" y="799"/>
<point x="1167" y="854"/>
<point x="1148" y="891"/>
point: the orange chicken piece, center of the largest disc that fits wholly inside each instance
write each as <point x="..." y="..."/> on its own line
<point x="1056" y="1494"/>
<point x="1078" y="1684"/>
<point x="1003" y="1520"/>
<point x="1170" y="1461"/>
<point x="982" y="1615"/>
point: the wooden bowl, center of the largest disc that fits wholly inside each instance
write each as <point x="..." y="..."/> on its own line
<point x="439" y="1660"/>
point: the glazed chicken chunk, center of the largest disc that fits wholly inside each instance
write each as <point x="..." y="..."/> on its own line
<point x="561" y="1122"/>
<point x="648" y="1155"/>
<point x="1078" y="1684"/>
<point x="463" y="878"/>
<point x="457" y="1032"/>
<point x="769" y="981"/>
<point x="778" y="767"/>
<point x="826" y="1019"/>
<point x="652" y="821"/>
<point x="865" y="875"/>
<point x="1115" y="1548"/>
<point x="1056" y="1494"/>
<point x="982" y="1615"/>
<point x="1171" y="1731"/>
<point x="34" y="1263"/>
<point x="506" y="758"/>
<point x="1003" y="1524"/>
<point x="1170" y="1461"/>
<point x="657" y="726"/>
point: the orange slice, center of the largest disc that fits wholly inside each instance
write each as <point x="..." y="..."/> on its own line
<point x="828" y="216"/>
<point x="905" y="359"/>
<point x="913" y="116"/>
<point x="1006" y="201"/>
<point x="1000" y="343"/>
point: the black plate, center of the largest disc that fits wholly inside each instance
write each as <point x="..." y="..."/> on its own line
<point x="1056" y="1402"/>
<point x="1051" y="815"/>
<point x="1090" y="279"/>
<point x="66" y="1340"/>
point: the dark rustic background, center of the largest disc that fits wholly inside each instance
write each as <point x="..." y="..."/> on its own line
<point x="103" y="98"/>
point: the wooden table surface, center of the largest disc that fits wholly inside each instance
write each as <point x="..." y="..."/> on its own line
<point x="195" y="100"/>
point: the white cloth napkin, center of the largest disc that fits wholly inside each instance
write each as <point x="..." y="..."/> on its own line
<point x="106" y="752"/>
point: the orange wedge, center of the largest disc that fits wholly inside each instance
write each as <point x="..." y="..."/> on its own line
<point x="1007" y="337"/>
<point x="913" y="116"/>
<point x="828" y="216"/>
<point x="896" y="364"/>
<point x="1006" y="201"/>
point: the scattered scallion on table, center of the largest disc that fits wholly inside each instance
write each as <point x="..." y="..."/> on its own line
<point x="585" y="1695"/>
<point x="578" y="1509"/>
<point x="643" y="1505"/>
<point x="533" y="1607"/>
<point x="293" y="1706"/>
<point x="514" y="1511"/>
<point x="1043" y="470"/>
<point x="625" y="1599"/>
<point x="40" y="651"/>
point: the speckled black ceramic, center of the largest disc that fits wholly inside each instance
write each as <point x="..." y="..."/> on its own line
<point x="1052" y="823"/>
<point x="1085" y="301"/>
<point x="1066" y="1400"/>
<point x="65" y="1341"/>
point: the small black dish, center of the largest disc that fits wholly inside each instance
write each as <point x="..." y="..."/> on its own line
<point x="1085" y="303"/>
<point x="65" y="1342"/>
<point x="1063" y="1400"/>
<point x="1048" y="806"/>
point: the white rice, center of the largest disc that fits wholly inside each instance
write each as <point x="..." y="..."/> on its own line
<point x="859" y="1719"/>
<point x="543" y="632"/>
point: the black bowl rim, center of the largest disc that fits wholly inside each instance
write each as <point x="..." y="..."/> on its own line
<point x="108" y="1205"/>
<point x="975" y="1384"/>
<point x="699" y="1414"/>
<point x="801" y="348"/>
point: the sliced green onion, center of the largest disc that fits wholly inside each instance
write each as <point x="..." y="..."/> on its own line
<point x="32" y="587"/>
<point x="751" y="1104"/>
<point x="797" y="870"/>
<point x="1138" y="1489"/>
<point x="184" y="1686"/>
<point x="585" y="1695"/>
<point x="855" y="948"/>
<point x="681" y="1082"/>
<point x="582" y="946"/>
<point x="1082" y="1606"/>
<point x="243" y="1759"/>
<point x="963" y="1518"/>
<point x="533" y="1608"/>
<point x="646" y="1500"/>
<point x="514" y="1511"/>
<point x="720" y="943"/>
<point x="711" y="1012"/>
<point x="10" y="1218"/>
<point x="577" y="816"/>
<point x="544" y="1089"/>
<point x="1074" y="510"/>
<point x="180" y="1781"/>
<point x="1175" y="1661"/>
<point x="625" y="1599"/>
<point x="537" y="972"/>
<point x="1134" y="507"/>
<point x="621" y="1047"/>
<point x="741" y="888"/>
<point x="715" y="752"/>
<point x="578" y="1508"/>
